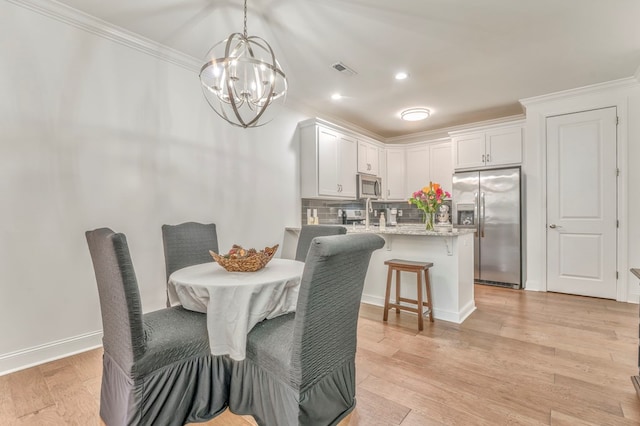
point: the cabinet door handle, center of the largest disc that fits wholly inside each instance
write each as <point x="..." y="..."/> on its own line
<point x="483" y="160"/>
<point x="388" y="192"/>
<point x="488" y="158"/>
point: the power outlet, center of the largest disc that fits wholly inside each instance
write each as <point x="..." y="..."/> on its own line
<point x="399" y="213"/>
<point x="375" y="213"/>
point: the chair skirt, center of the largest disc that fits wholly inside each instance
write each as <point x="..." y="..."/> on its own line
<point x="257" y="392"/>
<point x="194" y="390"/>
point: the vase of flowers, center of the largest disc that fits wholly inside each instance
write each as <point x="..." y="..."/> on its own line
<point x="429" y="199"/>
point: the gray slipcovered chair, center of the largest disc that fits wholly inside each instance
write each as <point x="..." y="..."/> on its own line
<point x="300" y="367"/>
<point x="185" y="245"/>
<point x="309" y="232"/>
<point x="157" y="367"/>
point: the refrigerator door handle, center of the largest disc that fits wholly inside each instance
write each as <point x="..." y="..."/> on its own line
<point x="482" y="216"/>
<point x="475" y="214"/>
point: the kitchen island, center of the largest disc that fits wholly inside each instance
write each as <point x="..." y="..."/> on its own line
<point x="451" y="275"/>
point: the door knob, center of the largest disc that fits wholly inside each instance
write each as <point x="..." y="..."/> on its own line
<point x="554" y="226"/>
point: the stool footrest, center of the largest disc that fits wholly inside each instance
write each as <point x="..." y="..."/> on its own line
<point x="414" y="301"/>
<point x="409" y="308"/>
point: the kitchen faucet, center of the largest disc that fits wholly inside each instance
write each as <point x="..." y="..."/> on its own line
<point x="367" y="209"/>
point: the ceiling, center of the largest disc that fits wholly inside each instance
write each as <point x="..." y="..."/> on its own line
<point x="468" y="60"/>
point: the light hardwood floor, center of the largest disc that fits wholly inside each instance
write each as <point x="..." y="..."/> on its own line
<point x="522" y="358"/>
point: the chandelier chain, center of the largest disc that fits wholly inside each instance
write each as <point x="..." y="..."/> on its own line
<point x="245" y="18"/>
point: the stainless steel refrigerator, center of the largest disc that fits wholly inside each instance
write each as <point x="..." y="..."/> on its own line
<point x="489" y="202"/>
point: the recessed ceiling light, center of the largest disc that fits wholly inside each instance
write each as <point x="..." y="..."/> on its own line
<point x="401" y="75"/>
<point x="415" y="114"/>
<point x="336" y="96"/>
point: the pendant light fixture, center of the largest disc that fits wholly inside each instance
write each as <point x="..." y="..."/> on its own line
<point x="241" y="79"/>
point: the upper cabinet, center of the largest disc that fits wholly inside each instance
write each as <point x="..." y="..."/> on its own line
<point x="417" y="167"/>
<point x="441" y="165"/>
<point x="328" y="162"/>
<point x="393" y="183"/>
<point x="504" y="146"/>
<point x="368" y="158"/>
<point x="468" y="150"/>
<point x="487" y="147"/>
<point x="410" y="168"/>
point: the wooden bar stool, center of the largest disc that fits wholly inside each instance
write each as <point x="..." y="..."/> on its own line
<point x="400" y="265"/>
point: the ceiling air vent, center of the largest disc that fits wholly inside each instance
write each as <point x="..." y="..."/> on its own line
<point x="339" y="66"/>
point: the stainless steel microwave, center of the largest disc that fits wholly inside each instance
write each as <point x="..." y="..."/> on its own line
<point x="369" y="186"/>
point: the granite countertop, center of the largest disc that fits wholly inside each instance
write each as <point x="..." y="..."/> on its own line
<point x="405" y="229"/>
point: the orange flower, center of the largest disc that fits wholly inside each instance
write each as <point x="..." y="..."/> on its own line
<point x="436" y="186"/>
<point x="426" y="189"/>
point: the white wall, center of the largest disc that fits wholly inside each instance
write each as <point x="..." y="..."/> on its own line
<point x="94" y="133"/>
<point x="625" y="96"/>
<point x="632" y="174"/>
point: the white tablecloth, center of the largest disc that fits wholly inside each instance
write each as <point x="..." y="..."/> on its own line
<point x="236" y="301"/>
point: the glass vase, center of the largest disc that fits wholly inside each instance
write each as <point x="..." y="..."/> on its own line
<point x="428" y="221"/>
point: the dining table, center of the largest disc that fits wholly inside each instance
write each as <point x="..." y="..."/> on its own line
<point x="235" y="302"/>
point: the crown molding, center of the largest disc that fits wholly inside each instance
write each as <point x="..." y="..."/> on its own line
<point x="623" y="83"/>
<point x="438" y="135"/>
<point x="93" y="25"/>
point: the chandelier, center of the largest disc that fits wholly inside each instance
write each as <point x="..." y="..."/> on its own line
<point x="242" y="78"/>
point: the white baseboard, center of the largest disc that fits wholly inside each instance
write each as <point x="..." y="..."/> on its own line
<point x="455" y="317"/>
<point x="372" y="300"/>
<point x="533" y="285"/>
<point x="29" y="357"/>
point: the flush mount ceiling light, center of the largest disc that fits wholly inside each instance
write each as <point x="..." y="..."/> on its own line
<point x="401" y="75"/>
<point x="415" y="114"/>
<point x="242" y="78"/>
<point x="336" y="96"/>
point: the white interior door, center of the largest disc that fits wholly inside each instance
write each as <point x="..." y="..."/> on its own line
<point x="581" y="203"/>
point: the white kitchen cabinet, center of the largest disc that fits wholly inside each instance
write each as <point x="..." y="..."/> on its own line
<point x="488" y="147"/>
<point x="368" y="158"/>
<point x="468" y="150"/>
<point x="504" y="146"/>
<point x="417" y="168"/>
<point x="394" y="181"/>
<point x="328" y="162"/>
<point x="441" y="165"/>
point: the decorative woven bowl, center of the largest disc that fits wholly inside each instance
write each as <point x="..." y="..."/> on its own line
<point x="250" y="263"/>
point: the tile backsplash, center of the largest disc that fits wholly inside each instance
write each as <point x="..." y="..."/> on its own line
<point x="328" y="210"/>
